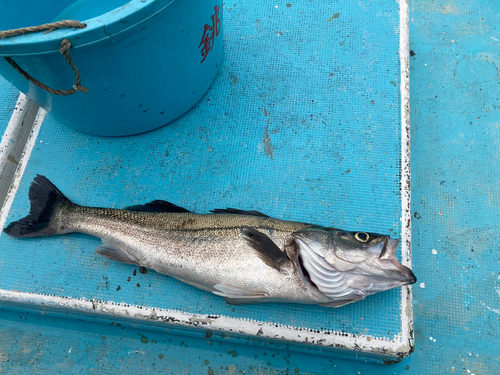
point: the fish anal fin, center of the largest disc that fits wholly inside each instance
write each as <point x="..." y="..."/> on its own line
<point x="236" y="211"/>
<point x="114" y="252"/>
<point x="157" y="206"/>
<point x="267" y="250"/>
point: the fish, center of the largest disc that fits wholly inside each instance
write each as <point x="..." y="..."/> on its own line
<point x="244" y="256"/>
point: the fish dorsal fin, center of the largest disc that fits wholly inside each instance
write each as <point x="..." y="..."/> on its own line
<point x="156" y="206"/>
<point x="267" y="250"/>
<point x="236" y="211"/>
<point x="114" y="252"/>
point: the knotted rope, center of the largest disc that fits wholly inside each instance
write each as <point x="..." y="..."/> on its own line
<point x="65" y="47"/>
<point x="48" y="27"/>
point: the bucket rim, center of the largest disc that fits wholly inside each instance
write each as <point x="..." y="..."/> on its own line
<point x="105" y="26"/>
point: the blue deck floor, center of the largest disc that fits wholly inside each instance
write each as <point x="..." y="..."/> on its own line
<point x="455" y="116"/>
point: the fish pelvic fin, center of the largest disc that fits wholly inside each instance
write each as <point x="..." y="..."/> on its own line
<point x="46" y="203"/>
<point x="238" y="296"/>
<point x="267" y="250"/>
<point x="235" y="294"/>
<point x="115" y="252"/>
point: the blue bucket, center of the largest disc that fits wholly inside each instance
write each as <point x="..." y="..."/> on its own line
<point x="124" y="68"/>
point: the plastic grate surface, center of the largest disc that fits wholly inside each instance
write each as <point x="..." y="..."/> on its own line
<point x="302" y="123"/>
<point x="456" y="200"/>
<point x="8" y="98"/>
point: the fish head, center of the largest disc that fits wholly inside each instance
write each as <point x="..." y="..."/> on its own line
<point x="348" y="266"/>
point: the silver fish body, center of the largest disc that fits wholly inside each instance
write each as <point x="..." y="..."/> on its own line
<point x="244" y="256"/>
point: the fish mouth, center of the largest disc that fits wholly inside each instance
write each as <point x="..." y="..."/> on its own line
<point x="398" y="271"/>
<point x="385" y="248"/>
<point x="386" y="265"/>
<point x="389" y="249"/>
<point x="372" y="284"/>
<point x="404" y="274"/>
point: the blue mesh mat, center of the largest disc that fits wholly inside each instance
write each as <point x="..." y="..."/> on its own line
<point x="302" y="123"/>
<point x="8" y="99"/>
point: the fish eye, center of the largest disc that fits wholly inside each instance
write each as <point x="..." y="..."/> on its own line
<point x="362" y="236"/>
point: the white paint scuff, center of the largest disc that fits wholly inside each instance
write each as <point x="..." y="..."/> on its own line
<point x="496" y="311"/>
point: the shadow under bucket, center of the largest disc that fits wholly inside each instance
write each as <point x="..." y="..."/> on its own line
<point x="118" y="68"/>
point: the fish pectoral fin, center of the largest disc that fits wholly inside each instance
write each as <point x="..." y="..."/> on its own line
<point x="156" y="206"/>
<point x="114" y="252"/>
<point x="267" y="250"/>
<point x="236" y="211"/>
<point x="233" y="292"/>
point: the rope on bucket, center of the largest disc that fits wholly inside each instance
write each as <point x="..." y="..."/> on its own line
<point x="48" y="27"/>
<point x="65" y="47"/>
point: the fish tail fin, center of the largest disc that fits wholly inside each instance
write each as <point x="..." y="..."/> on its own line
<point x="46" y="204"/>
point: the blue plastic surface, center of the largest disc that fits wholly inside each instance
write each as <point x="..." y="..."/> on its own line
<point x="48" y="345"/>
<point x="8" y="99"/>
<point x="87" y="9"/>
<point x="145" y="64"/>
<point x="455" y="88"/>
<point x="293" y="126"/>
<point x="43" y="14"/>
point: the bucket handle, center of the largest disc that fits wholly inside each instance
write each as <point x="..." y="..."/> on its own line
<point x="65" y="47"/>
